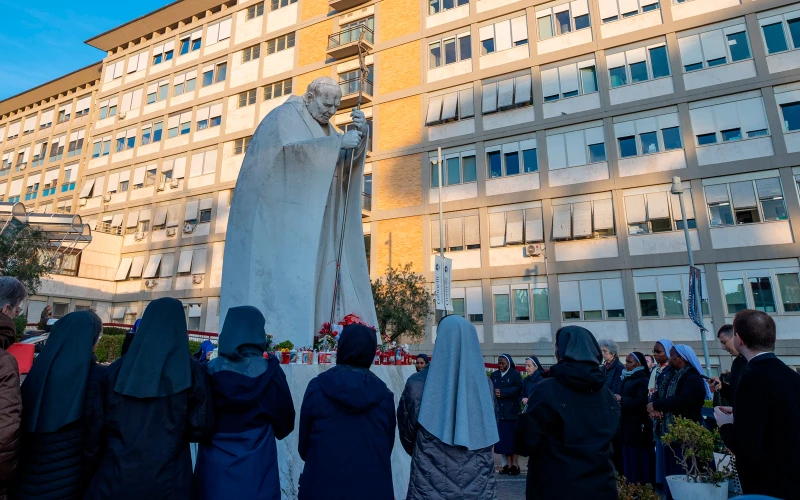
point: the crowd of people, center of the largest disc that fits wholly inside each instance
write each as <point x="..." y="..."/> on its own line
<point x="78" y="429"/>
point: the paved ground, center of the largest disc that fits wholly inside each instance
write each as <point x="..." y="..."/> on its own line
<point x="511" y="488"/>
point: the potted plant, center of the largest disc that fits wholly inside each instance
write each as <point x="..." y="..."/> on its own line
<point x="693" y="446"/>
<point x="635" y="491"/>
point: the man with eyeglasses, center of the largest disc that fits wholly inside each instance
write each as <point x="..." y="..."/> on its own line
<point x="12" y="296"/>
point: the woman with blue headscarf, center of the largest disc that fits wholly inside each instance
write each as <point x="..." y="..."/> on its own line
<point x="507" y="388"/>
<point x="446" y="420"/>
<point x="204" y="352"/>
<point x="253" y="408"/>
<point x="636" y="429"/>
<point x="153" y="402"/>
<point x="681" y="394"/>
<point x="58" y="400"/>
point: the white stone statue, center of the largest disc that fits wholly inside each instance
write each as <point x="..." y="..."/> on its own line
<point x="286" y="219"/>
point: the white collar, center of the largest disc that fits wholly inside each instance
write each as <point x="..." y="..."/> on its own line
<point x="757" y="355"/>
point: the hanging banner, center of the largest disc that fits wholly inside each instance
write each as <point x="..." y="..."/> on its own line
<point x="447" y="282"/>
<point x="442" y="278"/>
<point x="696" y="297"/>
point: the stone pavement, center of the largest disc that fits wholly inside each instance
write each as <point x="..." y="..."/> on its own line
<point x="511" y="487"/>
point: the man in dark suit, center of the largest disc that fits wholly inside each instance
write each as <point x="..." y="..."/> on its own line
<point x="739" y="367"/>
<point x="762" y="430"/>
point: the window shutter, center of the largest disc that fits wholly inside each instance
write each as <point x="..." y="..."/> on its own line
<point x="534" y="228"/>
<point x="466" y="105"/>
<point x="138" y="176"/>
<point x="197" y="34"/>
<point x="455" y="232"/>
<point x="569" y="295"/>
<point x="123" y="269"/>
<point x="33" y="179"/>
<point x="474" y="296"/>
<point x="505" y="93"/>
<point x="562" y="222"/>
<point x="161" y="216"/>
<point x="608" y="8"/>
<point x="691" y="53"/>
<point x="113" y="182"/>
<point x="624" y="129"/>
<point x="514" y="220"/>
<point x="644" y="284"/>
<point x="591" y="295"/>
<point x="169" y="46"/>
<point x="702" y="121"/>
<point x="136" y="266"/>
<point x="225" y="29"/>
<point x="196" y="168"/>
<point x="191" y="210"/>
<point x="118" y="69"/>
<point x="133" y="219"/>
<point x="657" y="207"/>
<point x="751" y="113"/>
<point x="612" y="294"/>
<point x="582" y="218"/>
<point x="568" y="76"/>
<point x="769" y="188"/>
<point x="556" y="152"/>
<point x="216" y="110"/>
<point x="210" y="162"/>
<point x="86" y="190"/>
<point x="727" y="116"/>
<point x="472" y="234"/>
<point x="180" y="168"/>
<point x="604" y="214"/>
<point x="489" y="98"/>
<point x="199" y="261"/>
<point x="519" y="28"/>
<point x="152" y="88"/>
<point x="743" y="194"/>
<point x="435" y="236"/>
<point x="434" y="110"/>
<point x="50" y="176"/>
<point x="497" y="229"/>
<point x="152" y="266"/>
<point x="172" y="122"/>
<point x="634" y="209"/>
<point x="167" y="265"/>
<point x="136" y="102"/>
<point x="116" y="221"/>
<point x="717" y="193"/>
<point x="550" y="85"/>
<point x="205" y="204"/>
<point x="713" y="44"/>
<point x="212" y="35"/>
<point x="144" y="214"/>
<point x="522" y="93"/>
<point x="449" y="106"/>
<point x="16" y="187"/>
<point x="194" y="310"/>
<point x="687" y="202"/>
<point x="185" y="261"/>
<point x="669" y="283"/>
<point x="173" y="219"/>
<point x="635" y="55"/>
<point x="486" y="32"/>
<point x="502" y="39"/>
<point x="576" y="148"/>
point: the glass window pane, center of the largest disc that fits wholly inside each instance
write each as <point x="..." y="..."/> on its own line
<point x="597" y="153"/>
<point x="512" y="163"/>
<point x="791" y="115"/>
<point x="734" y="295"/>
<point x="458" y="307"/>
<point x="704" y="139"/>
<point x="487" y="46"/>
<point x="436" y="55"/>
<point x="672" y="138"/>
<point x="648" y="305"/>
<point x="545" y="28"/>
<point x="434" y="174"/>
<point x="660" y="225"/>
<point x="568" y="315"/>
<point x="734" y="134"/>
<point x="495" y="167"/>
<point x="541" y="304"/>
<point x="737" y="42"/>
<point x="433" y="7"/>
<point x="470" y="171"/>
<point x="774" y="209"/>
<point x="562" y="22"/>
<point x="582" y="22"/>
<point x="775" y="38"/>
<point x="453" y="172"/>
<point x="465" y="48"/>
<point x="721" y="215"/>
<point x="587" y="315"/>
<point x="618" y="76"/>
<point x="627" y="146"/>
<point x="530" y="162"/>
<point x="794" y="31"/>
<point x="716" y="62"/>
<point x="763" y="300"/>
<point x="522" y="307"/>
<point x="649" y="142"/>
<point x="659" y="61"/>
<point x="589" y="79"/>
<point x="502" y="313"/>
<point x="639" y="72"/>
<point x="673" y="305"/>
<point x="693" y="67"/>
<point x="450" y="51"/>
<point x="790" y="292"/>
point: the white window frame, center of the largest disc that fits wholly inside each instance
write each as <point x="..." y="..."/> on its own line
<point x="726" y="31"/>
<point x="594" y="233"/>
<point x="673" y="211"/>
<point x="601" y="284"/>
<point x="565" y="68"/>
<point x="462" y="104"/>
<point x="509" y="148"/>
<point x="445" y="157"/>
<point x="514" y="40"/>
<point x="441" y="41"/>
<point x="698" y="115"/>
<point x="727" y="181"/>
<point x="640" y="126"/>
<point x="508" y="290"/>
<point x="609" y="6"/>
<point x="462" y="221"/>
<point x="571" y="6"/>
<point x="784" y="19"/>
<point x="625" y="56"/>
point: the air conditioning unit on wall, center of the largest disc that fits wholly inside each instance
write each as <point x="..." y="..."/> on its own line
<point x="174" y="184"/>
<point x="197" y="279"/>
<point x="188" y="228"/>
<point x="107" y="197"/>
<point x="150" y="283"/>
<point x="534" y="249"/>
<point x="139" y="236"/>
<point x="161" y="186"/>
<point x="171" y="231"/>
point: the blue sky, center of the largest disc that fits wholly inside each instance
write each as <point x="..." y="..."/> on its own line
<point x="43" y="39"/>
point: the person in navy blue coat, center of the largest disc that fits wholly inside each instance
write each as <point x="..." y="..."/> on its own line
<point x="253" y="408"/>
<point x="347" y="426"/>
<point x="507" y="389"/>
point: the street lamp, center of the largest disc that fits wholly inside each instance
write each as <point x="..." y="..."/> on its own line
<point x="677" y="189"/>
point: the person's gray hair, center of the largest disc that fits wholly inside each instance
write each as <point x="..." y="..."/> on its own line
<point x="12" y="292"/>
<point x="609" y="345"/>
<point x="316" y="86"/>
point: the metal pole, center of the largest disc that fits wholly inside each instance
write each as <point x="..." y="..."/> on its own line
<point x="676" y="181"/>
<point x="441" y="213"/>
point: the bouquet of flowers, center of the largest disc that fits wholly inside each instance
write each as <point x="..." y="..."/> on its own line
<point x="327" y="336"/>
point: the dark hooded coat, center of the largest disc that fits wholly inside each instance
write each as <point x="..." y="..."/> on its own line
<point x="568" y="429"/>
<point x="58" y="398"/>
<point x="253" y="408"/>
<point x="10" y="405"/>
<point x="530" y="382"/>
<point x="154" y="401"/>
<point x="510" y="386"/>
<point x="347" y="427"/>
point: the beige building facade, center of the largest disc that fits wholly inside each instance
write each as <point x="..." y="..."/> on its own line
<point x="561" y="126"/>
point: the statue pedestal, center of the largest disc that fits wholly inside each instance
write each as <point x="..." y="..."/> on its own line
<point x="291" y="465"/>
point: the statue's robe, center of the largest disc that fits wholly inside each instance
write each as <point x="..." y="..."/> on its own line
<point x="284" y="227"/>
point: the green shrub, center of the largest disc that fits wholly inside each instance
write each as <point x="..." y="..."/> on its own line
<point x="114" y="330"/>
<point x="194" y="346"/>
<point x="109" y="348"/>
<point x="286" y="344"/>
<point x="695" y="444"/>
<point x="19" y="323"/>
<point x="634" y="491"/>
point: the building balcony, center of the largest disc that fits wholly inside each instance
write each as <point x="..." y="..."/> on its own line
<point x="342" y="5"/>
<point x="366" y="204"/>
<point x="345" y="43"/>
<point x="350" y="90"/>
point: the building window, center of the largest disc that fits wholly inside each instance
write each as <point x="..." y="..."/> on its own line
<point x="745" y="202"/>
<point x="583" y="219"/>
<point x="209" y="116"/>
<point x="215" y="73"/>
<point x="791" y="115"/>
<point x="126" y="140"/>
<point x="191" y="42"/>
<point x="450" y="50"/>
<point x="728" y="121"/>
<point x="205" y="215"/>
<point x="507" y="94"/>
<point x="157" y="91"/>
<point x="75" y="143"/>
<point x="450" y="107"/>
<point x="460" y="234"/>
<point x="520" y="303"/>
<point x="278" y="89"/>
<point x="184" y="83"/>
<point x="504" y="35"/>
<point x="251" y="53"/>
<point x="512" y="159"/>
<point x="108" y="108"/>
<point x="756" y="289"/>
<point x="658" y="212"/>
<point x="638" y="65"/>
<point x="666" y="296"/>
<point x="57" y="149"/>
<point x="163" y="52"/>
<point x="179" y="124"/>
<point x="281" y="43"/>
<point x="278" y="4"/>
<point x="247" y="98"/>
<point x="457" y="168"/>
<point x="101" y="147"/>
<point x="150" y="177"/>
<point x="569" y="80"/>
<point x="563" y="19"/>
<point x="255" y="11"/>
<point x="714" y="48"/>
<point x="782" y="32"/>
<point x="576" y="148"/>
<point x="515" y="227"/>
<point x="152" y="132"/>
<point x="648" y="135"/>
<point x="436" y="6"/>
<point x="240" y="145"/>
<point x="613" y="10"/>
<point x="592" y="299"/>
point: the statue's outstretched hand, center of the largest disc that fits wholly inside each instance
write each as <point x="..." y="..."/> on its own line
<point x="351" y="139"/>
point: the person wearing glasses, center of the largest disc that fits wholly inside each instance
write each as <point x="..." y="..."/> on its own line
<point x="12" y="296"/>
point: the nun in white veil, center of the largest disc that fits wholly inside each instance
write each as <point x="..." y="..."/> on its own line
<point x="446" y="420"/>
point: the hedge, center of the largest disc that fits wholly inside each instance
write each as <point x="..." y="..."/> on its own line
<point x="109" y="348"/>
<point x="114" y="330"/>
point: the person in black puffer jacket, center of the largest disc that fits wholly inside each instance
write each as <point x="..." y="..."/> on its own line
<point x="636" y="428"/>
<point x="58" y="399"/>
